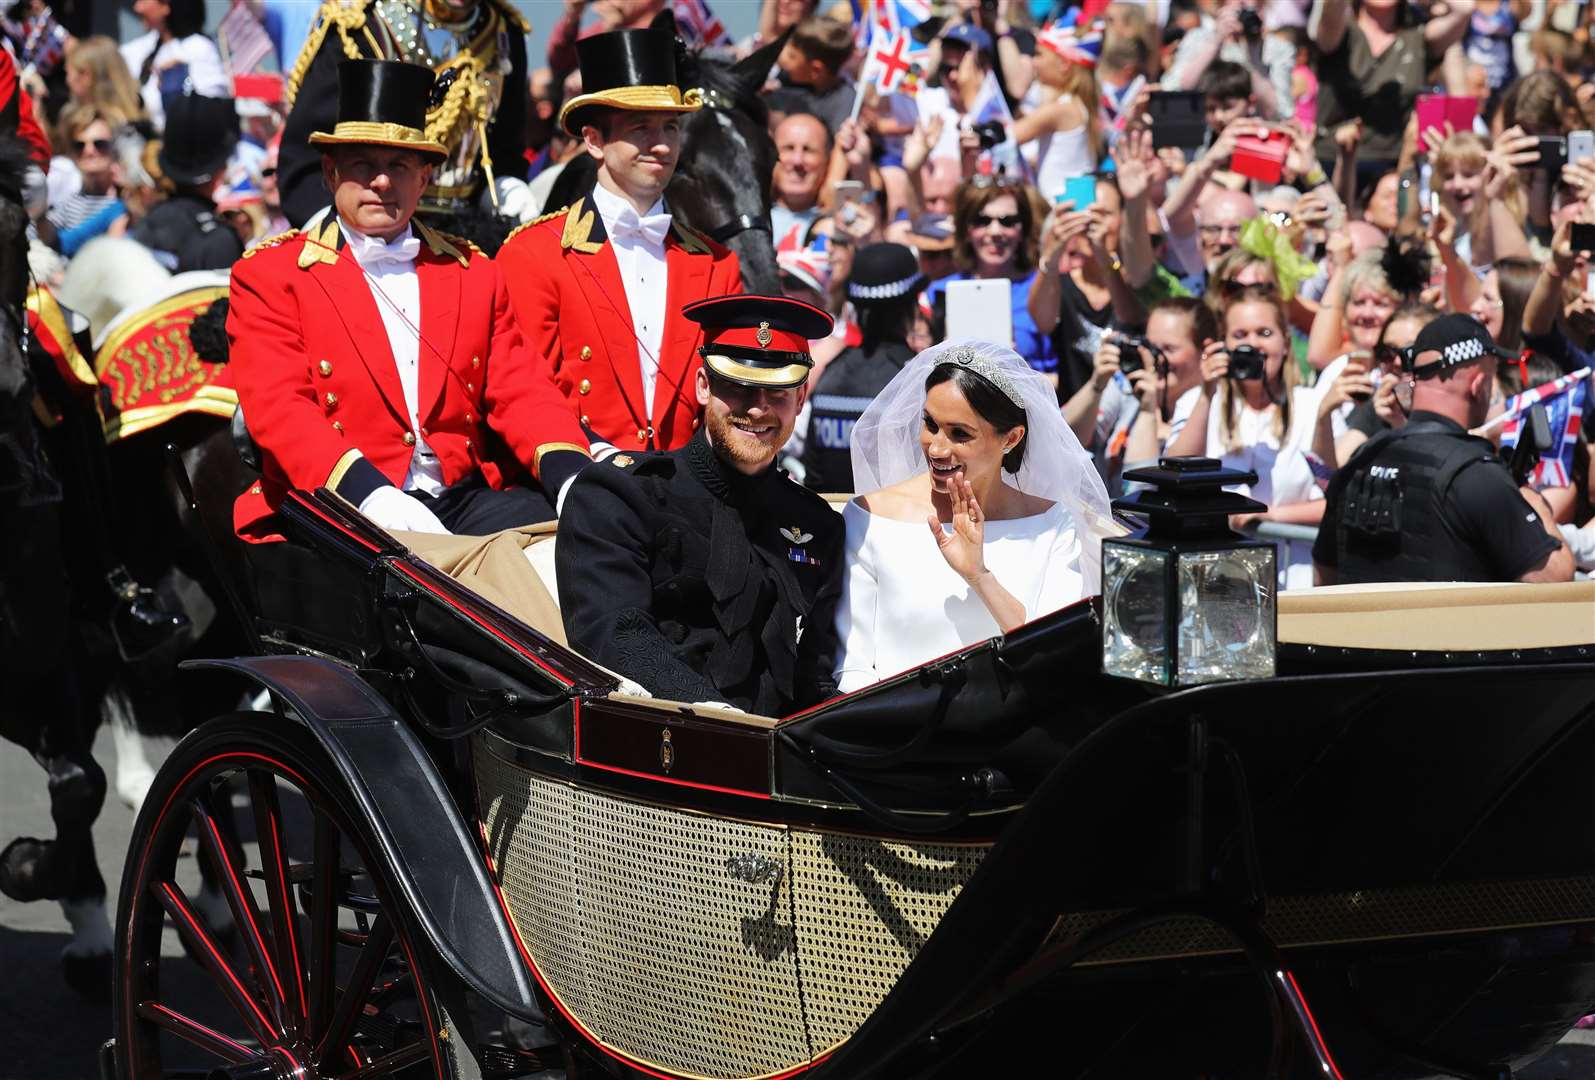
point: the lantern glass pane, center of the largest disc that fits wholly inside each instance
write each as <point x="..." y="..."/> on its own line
<point x="1226" y="627"/>
<point x="1134" y="615"/>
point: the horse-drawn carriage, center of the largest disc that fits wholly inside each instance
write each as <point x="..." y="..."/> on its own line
<point x="1377" y="860"/>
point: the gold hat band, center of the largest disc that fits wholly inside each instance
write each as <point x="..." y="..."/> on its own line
<point x="378" y="133"/>
<point x="639" y="98"/>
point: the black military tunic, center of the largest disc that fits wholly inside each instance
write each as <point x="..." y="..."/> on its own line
<point x="849" y="384"/>
<point x="1428" y="502"/>
<point x="700" y="583"/>
<point x="185" y="234"/>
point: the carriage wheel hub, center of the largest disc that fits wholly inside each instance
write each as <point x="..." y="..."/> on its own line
<point x="280" y="1063"/>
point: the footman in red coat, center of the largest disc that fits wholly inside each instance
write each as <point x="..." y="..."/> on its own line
<point x="380" y="358"/>
<point x="599" y="286"/>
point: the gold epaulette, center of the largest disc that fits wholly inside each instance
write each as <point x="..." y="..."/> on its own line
<point x="523" y="226"/>
<point x="271" y="241"/>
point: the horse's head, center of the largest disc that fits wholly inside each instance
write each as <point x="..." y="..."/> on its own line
<point x="15" y="385"/>
<point x="722" y="184"/>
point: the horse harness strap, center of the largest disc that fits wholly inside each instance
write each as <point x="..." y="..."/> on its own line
<point x="736" y="226"/>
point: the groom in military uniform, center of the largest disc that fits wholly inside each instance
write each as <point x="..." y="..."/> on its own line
<point x="705" y="574"/>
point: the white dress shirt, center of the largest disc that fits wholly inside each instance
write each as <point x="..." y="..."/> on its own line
<point x="641" y="256"/>
<point x="390" y="273"/>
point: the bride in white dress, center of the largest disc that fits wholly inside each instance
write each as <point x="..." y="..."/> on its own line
<point x="983" y="511"/>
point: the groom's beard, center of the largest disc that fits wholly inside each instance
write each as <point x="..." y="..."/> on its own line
<point x="737" y="449"/>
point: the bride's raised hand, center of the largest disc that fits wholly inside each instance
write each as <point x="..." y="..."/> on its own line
<point x="964" y="547"/>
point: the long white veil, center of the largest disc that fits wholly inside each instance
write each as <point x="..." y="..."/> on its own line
<point x="886" y="451"/>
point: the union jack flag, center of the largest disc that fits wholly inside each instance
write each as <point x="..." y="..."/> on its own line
<point x="877" y="18"/>
<point x="1564" y="405"/>
<point x="698" y="25"/>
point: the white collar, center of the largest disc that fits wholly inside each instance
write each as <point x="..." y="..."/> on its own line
<point x="367" y="249"/>
<point x="610" y="206"/>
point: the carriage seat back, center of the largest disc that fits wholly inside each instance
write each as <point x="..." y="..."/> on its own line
<point x="1440" y="616"/>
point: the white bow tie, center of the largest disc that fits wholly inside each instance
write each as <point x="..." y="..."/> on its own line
<point x="649" y="230"/>
<point x="372" y="253"/>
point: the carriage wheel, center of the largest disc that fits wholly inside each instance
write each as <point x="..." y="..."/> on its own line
<point x="309" y="969"/>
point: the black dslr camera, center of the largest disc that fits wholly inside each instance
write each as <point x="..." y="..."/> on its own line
<point x="1131" y="349"/>
<point x="1251" y="23"/>
<point x="1246" y="362"/>
<point x="991" y="134"/>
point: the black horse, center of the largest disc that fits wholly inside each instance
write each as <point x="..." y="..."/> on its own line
<point x="44" y="710"/>
<point x="722" y="182"/>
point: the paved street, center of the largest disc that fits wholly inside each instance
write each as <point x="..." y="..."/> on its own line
<point x="48" y="1033"/>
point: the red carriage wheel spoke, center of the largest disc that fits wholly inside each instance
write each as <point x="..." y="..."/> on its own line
<point x="202" y="946"/>
<point x="279" y="896"/>
<point x="325" y="881"/>
<point x="193" y="1031"/>
<point x="242" y="902"/>
<point x="388" y="1064"/>
<point x="358" y="991"/>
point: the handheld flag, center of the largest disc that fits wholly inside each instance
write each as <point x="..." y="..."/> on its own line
<point x="1564" y="406"/>
<point x="698" y="24"/>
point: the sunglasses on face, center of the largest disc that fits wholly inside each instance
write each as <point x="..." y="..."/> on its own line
<point x="268" y="172"/>
<point x="1007" y="221"/>
<point x="1386" y="355"/>
<point x="101" y="146"/>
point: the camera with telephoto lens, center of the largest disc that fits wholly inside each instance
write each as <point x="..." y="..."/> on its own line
<point x="1251" y="23"/>
<point x="991" y="134"/>
<point x="1246" y="362"/>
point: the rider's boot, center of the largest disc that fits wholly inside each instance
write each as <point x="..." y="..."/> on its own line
<point x="139" y="623"/>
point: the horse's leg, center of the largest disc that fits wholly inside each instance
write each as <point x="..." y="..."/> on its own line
<point x="134" y="773"/>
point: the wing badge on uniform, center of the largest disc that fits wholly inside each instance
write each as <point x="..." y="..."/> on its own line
<point x="797" y="535"/>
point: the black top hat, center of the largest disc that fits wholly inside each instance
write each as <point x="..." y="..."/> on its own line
<point x="758" y="340"/>
<point x="1458" y="338"/>
<point x="382" y="103"/>
<point x="627" y="69"/>
<point x="199" y="138"/>
<point x="883" y="272"/>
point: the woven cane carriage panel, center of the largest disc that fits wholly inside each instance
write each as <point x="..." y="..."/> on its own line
<point x="664" y="954"/>
<point x="864" y="908"/>
<point x="1370" y="915"/>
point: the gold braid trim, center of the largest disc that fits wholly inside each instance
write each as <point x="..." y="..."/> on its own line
<point x="346" y="15"/>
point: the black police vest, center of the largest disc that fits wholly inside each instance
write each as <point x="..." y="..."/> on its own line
<point x="1391" y="526"/>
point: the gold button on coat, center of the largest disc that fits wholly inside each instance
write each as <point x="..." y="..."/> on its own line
<point x="586" y="353"/>
<point x="585" y="420"/>
<point x="470" y="388"/>
<point x="584" y="387"/>
<point x="325" y="367"/>
<point x="332" y="401"/>
<point x="476" y="361"/>
<point x="337" y="425"/>
<point x="409" y="438"/>
<point x="641" y="434"/>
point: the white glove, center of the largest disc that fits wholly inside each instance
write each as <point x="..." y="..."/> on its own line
<point x="395" y="511"/>
<point x="721" y="705"/>
<point x="1581" y="542"/>
<point x="515" y="198"/>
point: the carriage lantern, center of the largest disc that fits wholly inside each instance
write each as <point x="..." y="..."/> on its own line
<point x="1189" y="601"/>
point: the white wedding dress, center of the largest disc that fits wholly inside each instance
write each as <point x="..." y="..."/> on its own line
<point x="903" y="605"/>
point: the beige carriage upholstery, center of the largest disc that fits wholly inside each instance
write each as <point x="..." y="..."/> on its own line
<point x="513" y="569"/>
<point x="1440" y="617"/>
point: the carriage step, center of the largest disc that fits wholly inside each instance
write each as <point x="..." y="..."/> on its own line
<point x="505" y="1063"/>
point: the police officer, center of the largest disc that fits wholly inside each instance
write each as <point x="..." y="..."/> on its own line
<point x="704" y="573"/>
<point x="883" y="287"/>
<point x="183" y="230"/>
<point x="1430" y="502"/>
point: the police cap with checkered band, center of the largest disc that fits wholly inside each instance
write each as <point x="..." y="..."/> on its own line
<point x="1448" y="342"/>
<point x="760" y="341"/>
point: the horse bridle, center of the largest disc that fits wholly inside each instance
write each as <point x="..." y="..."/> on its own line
<point x="714" y="99"/>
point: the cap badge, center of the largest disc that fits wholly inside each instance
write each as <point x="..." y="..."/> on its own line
<point x="797" y="535"/>
<point x="764" y="337"/>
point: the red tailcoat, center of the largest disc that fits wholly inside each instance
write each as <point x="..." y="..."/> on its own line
<point x="569" y="298"/>
<point x="321" y="393"/>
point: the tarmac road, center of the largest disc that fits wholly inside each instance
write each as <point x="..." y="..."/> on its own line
<point x="49" y="1033"/>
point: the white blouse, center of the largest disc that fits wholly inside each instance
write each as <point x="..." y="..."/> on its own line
<point x="903" y="605"/>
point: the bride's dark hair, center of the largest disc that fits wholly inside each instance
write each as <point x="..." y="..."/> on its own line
<point x="990" y="403"/>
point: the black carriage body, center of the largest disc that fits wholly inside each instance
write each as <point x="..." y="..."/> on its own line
<point x="861" y="889"/>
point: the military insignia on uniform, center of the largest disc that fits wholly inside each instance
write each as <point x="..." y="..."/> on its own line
<point x="797" y="535"/>
<point x="622" y="460"/>
<point x="764" y="337"/>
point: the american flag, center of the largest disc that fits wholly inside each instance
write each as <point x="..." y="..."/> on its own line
<point x="698" y="25"/>
<point x="1563" y="399"/>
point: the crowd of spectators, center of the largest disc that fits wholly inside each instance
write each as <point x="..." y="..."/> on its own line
<point x="1349" y="170"/>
